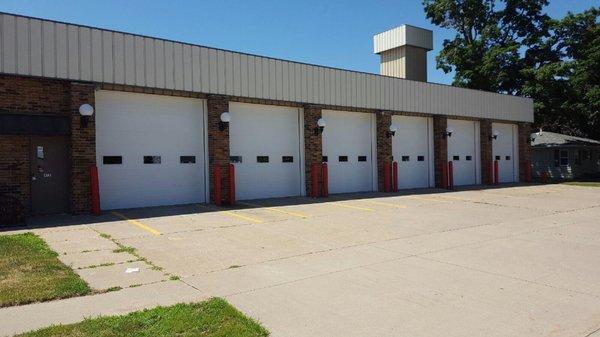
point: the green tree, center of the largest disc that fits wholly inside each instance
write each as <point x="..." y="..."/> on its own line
<point x="512" y="46"/>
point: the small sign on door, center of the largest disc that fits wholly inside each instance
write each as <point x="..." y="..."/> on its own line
<point x="40" y="152"/>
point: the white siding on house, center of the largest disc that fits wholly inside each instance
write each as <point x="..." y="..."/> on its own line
<point x="33" y="47"/>
<point x="544" y="161"/>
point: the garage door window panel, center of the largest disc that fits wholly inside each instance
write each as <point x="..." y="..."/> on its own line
<point x="187" y="159"/>
<point x="112" y="160"/>
<point x="152" y="159"/>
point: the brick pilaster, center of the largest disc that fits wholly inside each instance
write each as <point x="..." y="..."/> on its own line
<point x="524" y="130"/>
<point x="485" y="132"/>
<point x="83" y="147"/>
<point x="440" y="147"/>
<point x="218" y="143"/>
<point x="313" y="143"/>
<point x="384" y="146"/>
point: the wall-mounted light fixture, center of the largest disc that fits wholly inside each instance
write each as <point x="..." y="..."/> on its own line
<point x="224" y="122"/>
<point x="320" y="126"/>
<point x="494" y="135"/>
<point x="86" y="111"/>
<point x="447" y="133"/>
<point x="392" y="131"/>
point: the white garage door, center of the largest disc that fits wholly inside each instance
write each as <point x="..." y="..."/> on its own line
<point x="150" y="150"/>
<point x="412" y="147"/>
<point x="463" y="151"/>
<point x="505" y="151"/>
<point x="265" y="147"/>
<point x="348" y="145"/>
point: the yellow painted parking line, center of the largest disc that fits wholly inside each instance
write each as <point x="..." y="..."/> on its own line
<point x="353" y="207"/>
<point x="137" y="223"/>
<point x="240" y="216"/>
<point x="383" y="203"/>
<point x="272" y="209"/>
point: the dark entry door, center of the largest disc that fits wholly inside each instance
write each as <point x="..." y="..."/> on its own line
<point x="49" y="175"/>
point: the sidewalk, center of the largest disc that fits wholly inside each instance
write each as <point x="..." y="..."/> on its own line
<point x="18" y="319"/>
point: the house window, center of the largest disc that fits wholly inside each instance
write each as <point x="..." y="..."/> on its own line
<point x="343" y="159"/>
<point x="287" y="159"/>
<point x="262" y="159"/>
<point x="187" y="159"/>
<point x="456" y="158"/>
<point x="112" y="160"/>
<point x="405" y="158"/>
<point x="564" y="158"/>
<point x="507" y="157"/>
<point x="469" y="158"/>
<point x="420" y="158"/>
<point x="324" y="159"/>
<point x="235" y="159"/>
<point x="362" y="158"/>
<point x="497" y="157"/>
<point x="152" y="160"/>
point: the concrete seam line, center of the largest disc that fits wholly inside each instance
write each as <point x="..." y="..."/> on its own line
<point x="137" y="223"/>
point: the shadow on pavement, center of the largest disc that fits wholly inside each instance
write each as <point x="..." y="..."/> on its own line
<point x="63" y="220"/>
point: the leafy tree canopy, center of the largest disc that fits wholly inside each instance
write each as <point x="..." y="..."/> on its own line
<point x="513" y="47"/>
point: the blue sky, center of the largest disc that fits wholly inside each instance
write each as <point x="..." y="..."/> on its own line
<point x="335" y="33"/>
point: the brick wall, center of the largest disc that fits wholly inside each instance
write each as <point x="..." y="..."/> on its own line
<point x="83" y="147"/>
<point x="485" y="132"/>
<point x="440" y="147"/>
<point x="524" y="130"/>
<point x="14" y="168"/>
<point x="218" y="143"/>
<point x="384" y="146"/>
<point x="33" y="95"/>
<point x="313" y="143"/>
<point x="37" y="96"/>
<point x="24" y="95"/>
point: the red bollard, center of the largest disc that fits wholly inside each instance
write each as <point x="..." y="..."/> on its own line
<point x="450" y="175"/>
<point x="94" y="190"/>
<point x="395" y="176"/>
<point x="325" y="173"/>
<point x="445" y="176"/>
<point x="217" y="185"/>
<point x="314" y="181"/>
<point x="496" y="172"/>
<point x="231" y="184"/>
<point x="386" y="178"/>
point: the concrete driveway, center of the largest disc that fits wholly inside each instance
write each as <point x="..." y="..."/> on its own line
<point x="511" y="261"/>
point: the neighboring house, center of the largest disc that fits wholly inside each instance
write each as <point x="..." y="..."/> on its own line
<point x="564" y="157"/>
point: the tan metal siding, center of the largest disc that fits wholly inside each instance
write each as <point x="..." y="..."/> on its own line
<point x="44" y="48"/>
